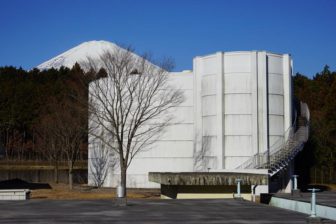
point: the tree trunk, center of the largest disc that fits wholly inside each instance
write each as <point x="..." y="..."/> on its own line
<point x="70" y="175"/>
<point x="123" y="171"/>
<point x="331" y="174"/>
<point x="70" y="180"/>
<point x="56" y="173"/>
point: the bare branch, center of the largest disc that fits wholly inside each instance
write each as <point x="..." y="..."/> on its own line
<point x="130" y="104"/>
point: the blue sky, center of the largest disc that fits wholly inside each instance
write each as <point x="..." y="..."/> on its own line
<point x="33" y="31"/>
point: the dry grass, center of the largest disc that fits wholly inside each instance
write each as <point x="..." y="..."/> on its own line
<point x="38" y="165"/>
<point x="324" y="187"/>
<point x="81" y="192"/>
<point x="331" y="187"/>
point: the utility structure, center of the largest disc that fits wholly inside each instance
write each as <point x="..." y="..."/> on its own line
<point x="238" y="121"/>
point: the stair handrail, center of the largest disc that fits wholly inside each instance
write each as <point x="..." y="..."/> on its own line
<point x="256" y="160"/>
<point x="290" y="136"/>
<point x="274" y="149"/>
<point x="295" y="141"/>
<point x="305" y="111"/>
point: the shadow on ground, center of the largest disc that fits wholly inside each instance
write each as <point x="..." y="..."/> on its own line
<point x="21" y="184"/>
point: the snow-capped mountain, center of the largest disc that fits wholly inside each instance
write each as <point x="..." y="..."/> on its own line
<point x="80" y="54"/>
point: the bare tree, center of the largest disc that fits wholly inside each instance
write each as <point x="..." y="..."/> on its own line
<point x="71" y="129"/>
<point x="101" y="159"/>
<point x="99" y="165"/>
<point x="201" y="156"/>
<point x="49" y="144"/>
<point x="130" y="105"/>
<point x="66" y="129"/>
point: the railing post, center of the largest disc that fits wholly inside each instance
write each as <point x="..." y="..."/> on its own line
<point x="313" y="202"/>
<point x="295" y="185"/>
<point x="238" y="195"/>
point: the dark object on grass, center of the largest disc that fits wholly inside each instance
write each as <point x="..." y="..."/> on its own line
<point x="21" y="184"/>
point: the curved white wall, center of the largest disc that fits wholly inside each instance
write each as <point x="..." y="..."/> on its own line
<point x="243" y="104"/>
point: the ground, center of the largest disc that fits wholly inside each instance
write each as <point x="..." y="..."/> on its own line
<point x="83" y="192"/>
<point x="326" y="198"/>
<point x="61" y="191"/>
<point x="145" y="211"/>
<point x="331" y="187"/>
<point x="55" y="203"/>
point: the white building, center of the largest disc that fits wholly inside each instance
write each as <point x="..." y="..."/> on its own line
<point x="238" y="114"/>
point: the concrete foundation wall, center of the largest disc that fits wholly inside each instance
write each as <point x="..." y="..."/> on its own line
<point x="322" y="211"/>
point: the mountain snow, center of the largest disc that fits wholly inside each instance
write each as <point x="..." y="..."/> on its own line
<point x="91" y="49"/>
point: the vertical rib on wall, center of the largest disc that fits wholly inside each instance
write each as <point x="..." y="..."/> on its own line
<point x="206" y="120"/>
<point x="237" y="108"/>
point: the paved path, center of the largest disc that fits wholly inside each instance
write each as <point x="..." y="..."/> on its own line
<point x="145" y="211"/>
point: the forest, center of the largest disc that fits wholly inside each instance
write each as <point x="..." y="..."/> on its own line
<point x="44" y="116"/>
<point x="37" y="110"/>
<point x="319" y="92"/>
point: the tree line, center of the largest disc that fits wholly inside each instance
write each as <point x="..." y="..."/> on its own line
<point x="44" y="115"/>
<point x="319" y="92"/>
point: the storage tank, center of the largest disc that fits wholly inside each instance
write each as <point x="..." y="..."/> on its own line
<point x="243" y="105"/>
<point x="237" y="105"/>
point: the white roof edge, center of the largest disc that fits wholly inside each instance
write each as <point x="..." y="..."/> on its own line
<point x="241" y="52"/>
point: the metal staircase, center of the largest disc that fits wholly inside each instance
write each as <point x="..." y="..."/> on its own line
<point x="284" y="150"/>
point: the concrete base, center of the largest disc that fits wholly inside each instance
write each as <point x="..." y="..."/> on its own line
<point x="239" y="198"/>
<point x="323" y="211"/>
<point x="205" y="192"/>
<point x="296" y="192"/>
<point x="207" y="178"/>
<point x="314" y="220"/>
<point x="121" y="201"/>
<point x="246" y="196"/>
<point x="14" y="194"/>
